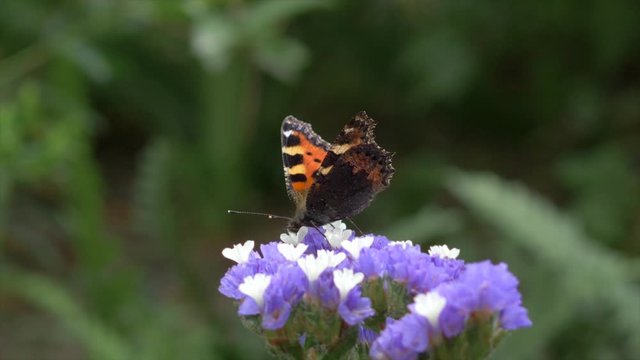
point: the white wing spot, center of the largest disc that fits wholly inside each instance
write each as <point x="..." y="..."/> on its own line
<point x="287" y="133"/>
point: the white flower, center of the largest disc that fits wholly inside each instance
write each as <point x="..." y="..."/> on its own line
<point x="294" y="238"/>
<point x="346" y="280"/>
<point x="255" y="286"/>
<point x="338" y="224"/>
<point x="354" y="246"/>
<point x="292" y="252"/>
<point x="405" y="244"/>
<point x="444" y="252"/>
<point x="313" y="266"/>
<point x="429" y="305"/>
<point x="240" y="252"/>
<point x="336" y="232"/>
<point x="332" y="259"/>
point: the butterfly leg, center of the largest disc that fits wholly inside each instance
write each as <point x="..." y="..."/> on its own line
<point x="315" y="226"/>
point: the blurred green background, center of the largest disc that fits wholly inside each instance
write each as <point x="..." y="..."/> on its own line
<point x="128" y="127"/>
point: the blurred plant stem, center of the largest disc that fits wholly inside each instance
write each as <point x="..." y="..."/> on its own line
<point x="184" y="188"/>
<point x="5" y="195"/>
<point x="229" y="109"/>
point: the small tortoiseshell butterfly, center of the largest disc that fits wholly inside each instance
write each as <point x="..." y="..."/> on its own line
<point x="329" y="182"/>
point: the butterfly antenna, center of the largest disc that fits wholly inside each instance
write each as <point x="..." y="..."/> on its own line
<point x="270" y="216"/>
<point x="355" y="226"/>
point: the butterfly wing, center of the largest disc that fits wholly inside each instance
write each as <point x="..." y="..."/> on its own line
<point x="353" y="171"/>
<point x="302" y="153"/>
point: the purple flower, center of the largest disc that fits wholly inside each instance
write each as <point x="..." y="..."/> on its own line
<point x="271" y="261"/>
<point x="316" y="241"/>
<point x="514" y="317"/>
<point x="235" y="276"/>
<point x="284" y="292"/>
<point x="452" y="267"/>
<point x="372" y="262"/>
<point x="482" y="287"/>
<point x="455" y="315"/>
<point x="379" y="241"/>
<point x="426" y="275"/>
<point x="400" y="261"/>
<point x="414" y="268"/>
<point x="271" y="253"/>
<point x="402" y="339"/>
<point x="355" y="308"/>
<point x="325" y="290"/>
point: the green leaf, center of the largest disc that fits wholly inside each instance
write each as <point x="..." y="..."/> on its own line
<point x="607" y="214"/>
<point x="100" y="341"/>
<point x="154" y="216"/>
<point x="583" y="272"/>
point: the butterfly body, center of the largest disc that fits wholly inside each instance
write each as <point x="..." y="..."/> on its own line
<point x="332" y="181"/>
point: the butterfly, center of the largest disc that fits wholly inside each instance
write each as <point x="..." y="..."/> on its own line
<point x="332" y="181"/>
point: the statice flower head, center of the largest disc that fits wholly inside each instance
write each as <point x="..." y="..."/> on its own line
<point x="321" y="287"/>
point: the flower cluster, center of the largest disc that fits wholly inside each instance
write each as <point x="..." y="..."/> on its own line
<point x="326" y="290"/>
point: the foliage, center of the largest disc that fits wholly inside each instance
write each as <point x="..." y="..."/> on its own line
<point x="587" y="278"/>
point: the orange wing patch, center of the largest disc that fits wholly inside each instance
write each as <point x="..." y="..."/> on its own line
<point x="301" y="159"/>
